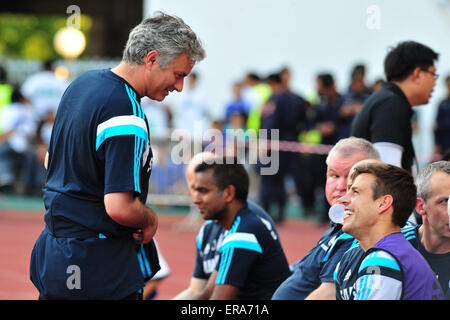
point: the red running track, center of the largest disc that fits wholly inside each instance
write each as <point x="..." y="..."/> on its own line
<point x="20" y="229"/>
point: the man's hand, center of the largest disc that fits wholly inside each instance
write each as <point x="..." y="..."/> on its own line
<point x="145" y="235"/>
<point x="127" y="210"/>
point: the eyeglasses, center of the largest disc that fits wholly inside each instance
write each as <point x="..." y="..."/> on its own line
<point x="434" y="74"/>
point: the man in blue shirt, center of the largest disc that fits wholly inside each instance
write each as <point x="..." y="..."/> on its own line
<point x="252" y="262"/>
<point x="312" y="277"/>
<point x="99" y="163"/>
<point x="208" y="241"/>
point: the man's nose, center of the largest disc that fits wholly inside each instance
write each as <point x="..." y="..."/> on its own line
<point x="344" y="199"/>
<point x="196" y="198"/>
<point x="342" y="184"/>
<point x="179" y="85"/>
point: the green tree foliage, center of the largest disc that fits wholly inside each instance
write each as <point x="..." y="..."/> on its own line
<point x="31" y="37"/>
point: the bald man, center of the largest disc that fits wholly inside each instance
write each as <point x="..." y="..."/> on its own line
<point x="193" y="220"/>
<point x="195" y="161"/>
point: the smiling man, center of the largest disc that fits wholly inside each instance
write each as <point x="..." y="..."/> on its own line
<point x="312" y="276"/>
<point x="99" y="164"/>
<point x="431" y="239"/>
<point x="378" y="202"/>
<point x="251" y="262"/>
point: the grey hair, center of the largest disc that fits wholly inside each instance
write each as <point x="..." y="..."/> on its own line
<point x="169" y="35"/>
<point x="349" y="146"/>
<point x="423" y="178"/>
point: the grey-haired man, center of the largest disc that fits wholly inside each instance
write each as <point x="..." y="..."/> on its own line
<point x="99" y="163"/>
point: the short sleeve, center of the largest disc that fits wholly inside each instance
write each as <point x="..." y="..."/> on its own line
<point x="333" y="257"/>
<point x="379" y="278"/>
<point x="198" y="268"/>
<point x="238" y="252"/>
<point x="122" y="138"/>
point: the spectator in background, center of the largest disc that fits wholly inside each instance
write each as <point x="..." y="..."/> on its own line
<point x="352" y="100"/>
<point x="313" y="178"/>
<point x="159" y="117"/>
<point x="377" y="85"/>
<point x="33" y="173"/>
<point x="236" y="137"/>
<point x="385" y="118"/>
<point x="44" y="91"/>
<point x="236" y="126"/>
<point x="6" y="90"/>
<point x="287" y="113"/>
<point x="328" y="110"/>
<point x="442" y="128"/>
<point x="19" y="126"/>
<point x="255" y="92"/>
<point x="326" y="121"/>
<point x="189" y="108"/>
<point x="306" y="184"/>
<point x="238" y="104"/>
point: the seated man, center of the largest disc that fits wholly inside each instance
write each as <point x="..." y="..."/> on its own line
<point x="431" y="239"/>
<point x="312" y="276"/>
<point x="378" y="203"/>
<point x="208" y="242"/>
<point x="252" y="263"/>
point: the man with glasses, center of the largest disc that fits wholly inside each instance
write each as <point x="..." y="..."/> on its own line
<point x="385" y="117"/>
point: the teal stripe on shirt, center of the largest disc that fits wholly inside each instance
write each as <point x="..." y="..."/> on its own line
<point x="128" y="89"/>
<point x="137" y="109"/>
<point x="121" y="130"/>
<point x="227" y="255"/>
<point x="379" y="261"/>
<point x="241" y="244"/>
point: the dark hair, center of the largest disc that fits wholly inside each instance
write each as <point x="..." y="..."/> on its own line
<point x="394" y="181"/>
<point x="401" y="61"/>
<point x="16" y="95"/>
<point x="253" y="76"/>
<point x="227" y="171"/>
<point x="273" y="78"/>
<point x="358" y="72"/>
<point x="326" y="79"/>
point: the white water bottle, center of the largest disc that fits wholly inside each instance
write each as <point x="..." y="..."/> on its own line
<point x="336" y="213"/>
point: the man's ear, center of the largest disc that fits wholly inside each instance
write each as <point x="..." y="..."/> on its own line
<point x="415" y="75"/>
<point x="420" y="206"/>
<point x="151" y="58"/>
<point x="229" y="193"/>
<point x="385" y="203"/>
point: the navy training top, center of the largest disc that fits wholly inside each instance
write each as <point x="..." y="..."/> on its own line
<point x="99" y="144"/>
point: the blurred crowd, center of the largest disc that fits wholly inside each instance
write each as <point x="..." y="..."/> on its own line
<point x="27" y="111"/>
